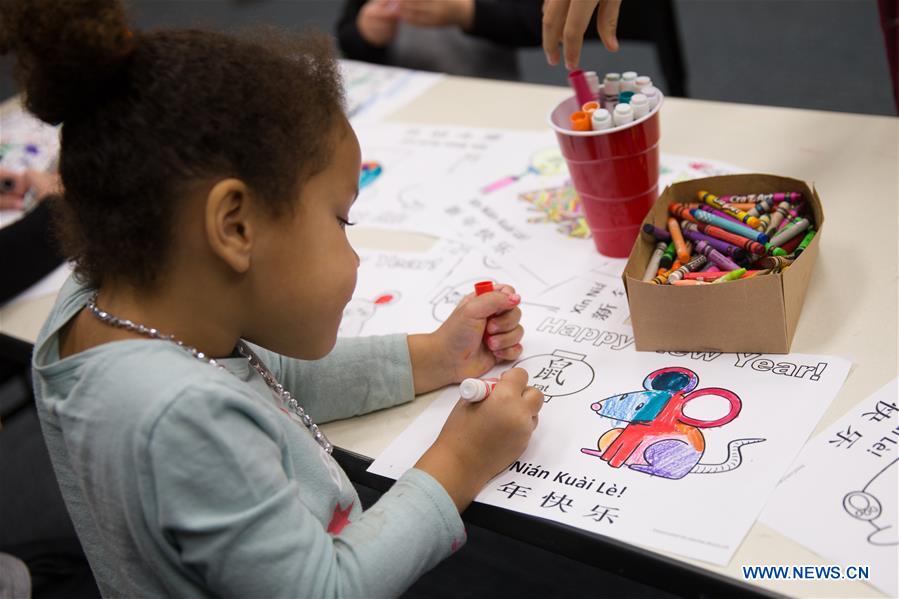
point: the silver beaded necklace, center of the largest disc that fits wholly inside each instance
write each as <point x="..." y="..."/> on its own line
<point x="280" y="392"/>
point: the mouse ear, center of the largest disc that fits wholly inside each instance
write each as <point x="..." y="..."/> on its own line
<point x="671" y="379"/>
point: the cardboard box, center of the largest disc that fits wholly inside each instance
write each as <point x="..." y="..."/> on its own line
<point x="749" y="315"/>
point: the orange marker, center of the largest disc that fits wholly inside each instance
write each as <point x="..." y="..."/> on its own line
<point x="683" y="254"/>
<point x="580" y="121"/>
<point x="590" y="108"/>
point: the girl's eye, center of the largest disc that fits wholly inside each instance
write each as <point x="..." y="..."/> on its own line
<point x="344" y="223"/>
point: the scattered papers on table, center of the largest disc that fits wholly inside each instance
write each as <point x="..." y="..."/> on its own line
<point x="840" y="496"/>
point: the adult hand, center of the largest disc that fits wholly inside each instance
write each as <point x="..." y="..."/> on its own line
<point x="14" y="186"/>
<point x="437" y="13"/>
<point x="566" y="21"/>
<point x="377" y="22"/>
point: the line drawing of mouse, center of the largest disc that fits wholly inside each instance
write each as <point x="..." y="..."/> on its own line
<point x="652" y="434"/>
<point x="360" y="310"/>
<point x="864" y="505"/>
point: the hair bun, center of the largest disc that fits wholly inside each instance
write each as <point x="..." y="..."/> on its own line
<point x="70" y="53"/>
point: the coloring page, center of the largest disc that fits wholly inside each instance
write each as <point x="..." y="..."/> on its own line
<point x="374" y="91"/>
<point x="27" y="142"/>
<point x="675" y="451"/>
<point x="840" y="496"/>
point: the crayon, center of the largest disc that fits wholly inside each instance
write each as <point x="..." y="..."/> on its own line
<point x="710" y="267"/>
<point x="790" y="246"/>
<point x="667" y="256"/>
<point x="681" y="211"/>
<point x="722" y="261"/>
<point x="790" y="232"/>
<point x="805" y="242"/>
<point x="719" y="214"/>
<point x="695" y="263"/>
<point x="689" y="282"/>
<point x="658" y="233"/>
<point x="728" y="249"/>
<point x="777" y="217"/>
<point x="780" y="196"/>
<point x="764" y="221"/>
<point x="776" y="263"/>
<point x="753" y="247"/>
<point x="713" y="200"/>
<point x="678" y="238"/>
<point x="761" y="207"/>
<point x="703" y="275"/>
<point x="792" y="216"/>
<point x="742" y="230"/>
<point x="653" y="265"/>
<point x="731" y="276"/>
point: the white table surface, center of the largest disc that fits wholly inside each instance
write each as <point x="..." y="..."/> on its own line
<point x="851" y="305"/>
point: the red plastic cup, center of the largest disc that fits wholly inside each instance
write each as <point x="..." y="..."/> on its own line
<point x="615" y="172"/>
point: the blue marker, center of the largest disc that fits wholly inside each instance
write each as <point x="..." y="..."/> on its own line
<point x="728" y="225"/>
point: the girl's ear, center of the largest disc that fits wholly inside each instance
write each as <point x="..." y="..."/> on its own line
<point x="229" y="228"/>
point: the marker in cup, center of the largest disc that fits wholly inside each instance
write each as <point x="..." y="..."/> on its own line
<point x="474" y="390"/>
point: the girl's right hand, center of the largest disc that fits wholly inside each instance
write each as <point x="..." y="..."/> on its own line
<point x="480" y="439"/>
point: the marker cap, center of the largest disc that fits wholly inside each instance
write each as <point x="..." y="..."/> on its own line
<point x="640" y="104"/>
<point x="642" y="82"/>
<point x="483" y="287"/>
<point x="602" y="119"/>
<point x="624" y="113"/>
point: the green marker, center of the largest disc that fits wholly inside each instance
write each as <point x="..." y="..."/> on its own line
<point x="731" y="276"/>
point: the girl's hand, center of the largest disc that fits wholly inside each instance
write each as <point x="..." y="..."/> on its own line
<point x="482" y="331"/>
<point x="377" y="22"/>
<point x="480" y="439"/>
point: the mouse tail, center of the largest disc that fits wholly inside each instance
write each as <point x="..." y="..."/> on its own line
<point x="733" y="461"/>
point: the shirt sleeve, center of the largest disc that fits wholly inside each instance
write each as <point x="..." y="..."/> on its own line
<point x="514" y="23"/>
<point x="227" y="512"/>
<point x="360" y="375"/>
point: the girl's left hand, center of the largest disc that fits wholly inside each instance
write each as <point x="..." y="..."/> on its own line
<point x="482" y="331"/>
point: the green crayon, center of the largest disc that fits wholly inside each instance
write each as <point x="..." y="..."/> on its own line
<point x="668" y="257"/>
<point x="731" y="276"/>
<point x="804" y="243"/>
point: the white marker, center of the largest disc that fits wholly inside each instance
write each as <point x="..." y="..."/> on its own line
<point x="642" y="82"/>
<point x="629" y="81"/>
<point x="652" y="94"/>
<point x="624" y="113"/>
<point x="609" y="94"/>
<point x="474" y="390"/>
<point x="602" y="119"/>
<point x="640" y="104"/>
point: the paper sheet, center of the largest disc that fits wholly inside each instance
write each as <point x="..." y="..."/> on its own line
<point x="374" y="91"/>
<point x="840" y="496"/>
<point x="692" y="487"/>
<point x="26" y="142"/>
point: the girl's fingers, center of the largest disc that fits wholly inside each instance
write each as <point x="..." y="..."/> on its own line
<point x="503" y="341"/>
<point x="510" y="355"/>
<point x="504" y="322"/>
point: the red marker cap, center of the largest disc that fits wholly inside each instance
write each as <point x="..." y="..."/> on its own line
<point x="483" y="287"/>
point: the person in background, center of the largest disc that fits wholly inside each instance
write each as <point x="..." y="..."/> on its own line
<point x="27" y="246"/>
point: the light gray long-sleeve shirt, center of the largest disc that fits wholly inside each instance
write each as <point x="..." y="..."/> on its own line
<point x="186" y="480"/>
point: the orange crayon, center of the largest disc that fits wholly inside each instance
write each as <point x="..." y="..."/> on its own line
<point x="689" y="282"/>
<point x="683" y="254"/>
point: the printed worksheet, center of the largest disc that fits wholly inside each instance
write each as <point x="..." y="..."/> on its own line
<point x="840" y="497"/>
<point x="374" y="91"/>
<point x="675" y="451"/>
<point x="26" y="142"/>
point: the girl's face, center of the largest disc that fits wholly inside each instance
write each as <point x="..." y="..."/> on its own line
<point x="305" y="269"/>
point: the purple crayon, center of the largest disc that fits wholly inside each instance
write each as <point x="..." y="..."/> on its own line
<point x="692" y="233"/>
<point x="658" y="233"/>
<point x="720" y="260"/>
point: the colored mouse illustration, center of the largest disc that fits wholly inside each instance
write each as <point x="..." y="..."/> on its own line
<point x="865" y="506"/>
<point x="652" y="434"/>
<point x="359" y="310"/>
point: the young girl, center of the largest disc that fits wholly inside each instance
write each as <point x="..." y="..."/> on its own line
<point x="207" y="185"/>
